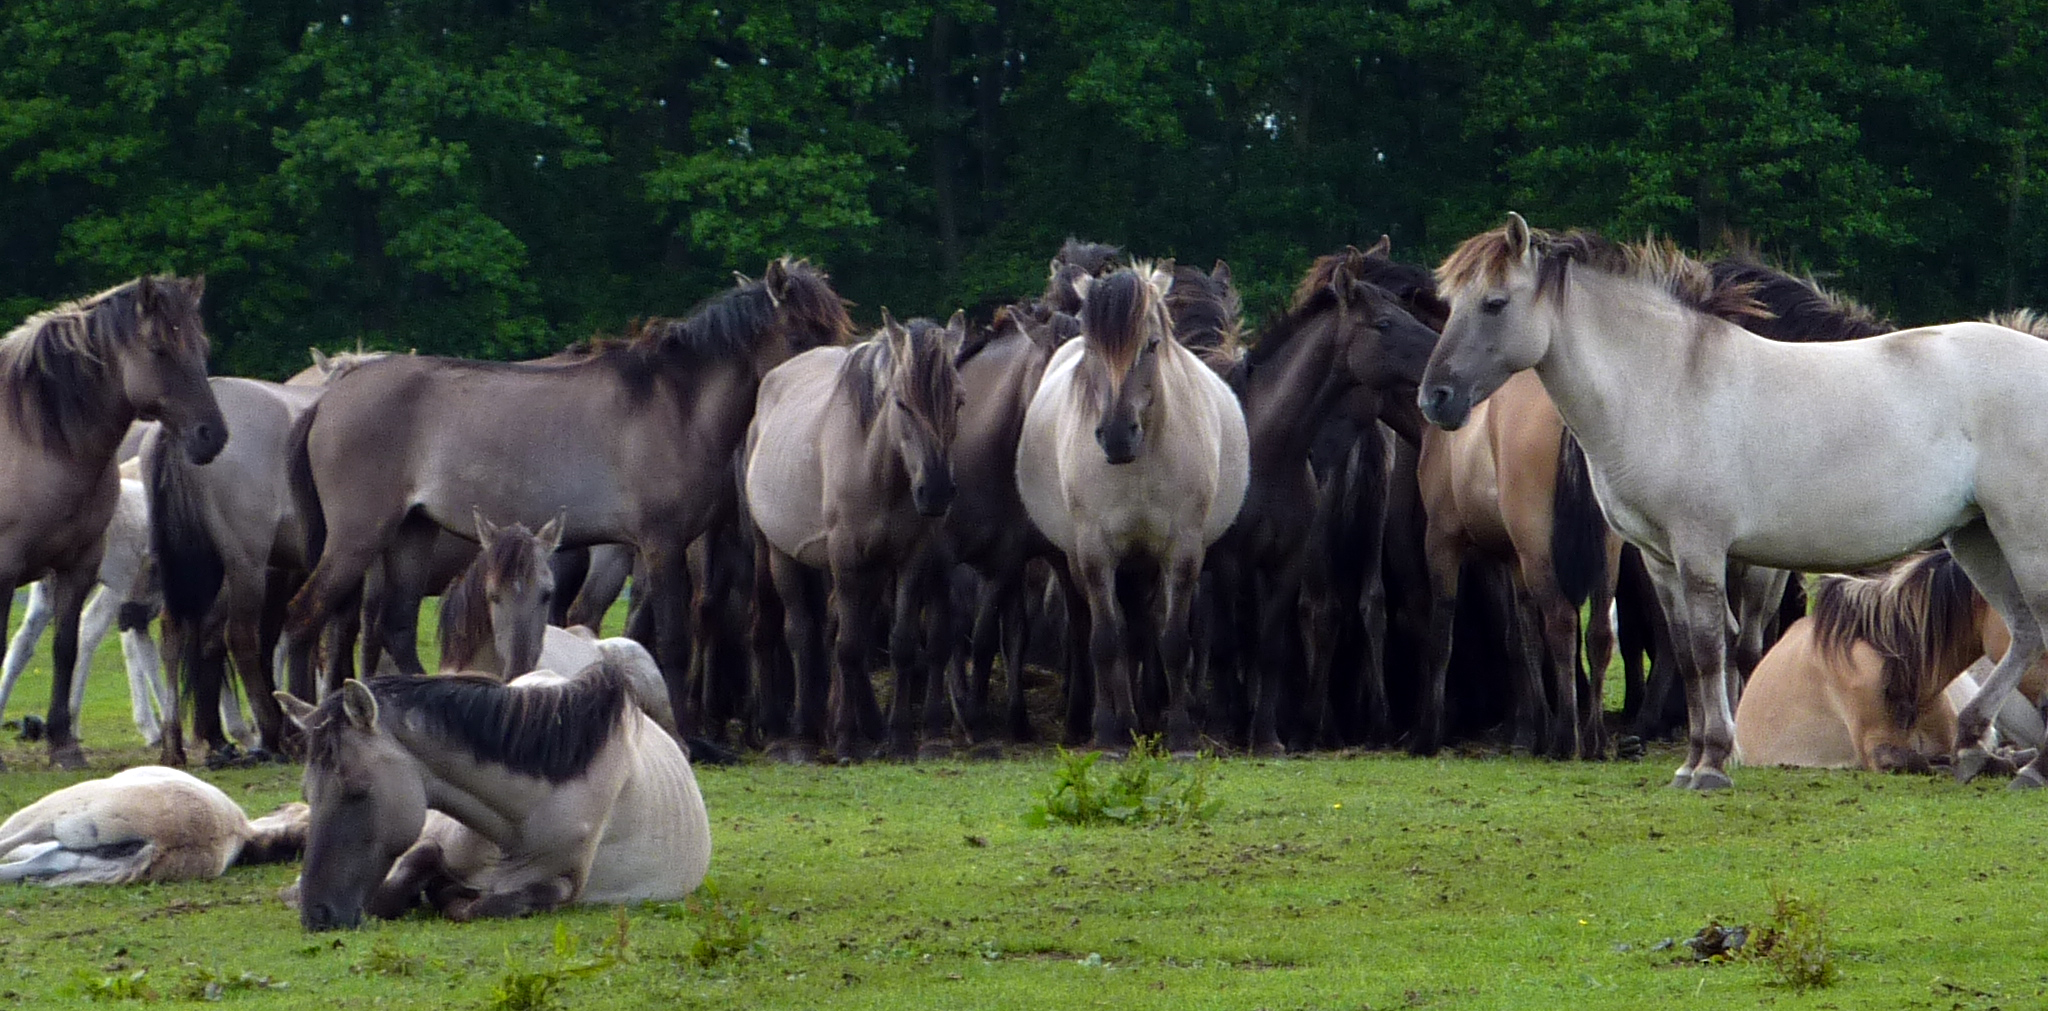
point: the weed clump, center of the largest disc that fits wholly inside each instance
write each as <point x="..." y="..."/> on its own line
<point x="1795" y="943"/>
<point x="1147" y="788"/>
<point x="725" y="929"/>
<point x="523" y="989"/>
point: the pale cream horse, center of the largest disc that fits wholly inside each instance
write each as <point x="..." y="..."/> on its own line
<point x="1707" y="443"/>
<point x="1134" y="456"/>
<point x="565" y="793"/>
<point x="149" y="823"/>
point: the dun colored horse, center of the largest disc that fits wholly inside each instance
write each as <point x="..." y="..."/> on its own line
<point x="564" y="793"/>
<point x="71" y="381"/>
<point x="630" y="439"/>
<point x="848" y="469"/>
<point x="145" y="824"/>
<point x="1133" y="460"/>
<point x="1707" y="443"/>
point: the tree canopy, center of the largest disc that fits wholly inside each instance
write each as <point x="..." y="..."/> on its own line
<point x="495" y="178"/>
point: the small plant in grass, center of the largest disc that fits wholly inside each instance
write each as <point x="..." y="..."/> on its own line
<point x="204" y="984"/>
<point x="524" y="989"/>
<point x="1146" y="788"/>
<point x="1795" y="942"/>
<point x="121" y="986"/>
<point x="386" y="959"/>
<point x="725" y="928"/>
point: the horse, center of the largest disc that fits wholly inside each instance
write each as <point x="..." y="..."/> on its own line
<point x="72" y="379"/>
<point x="127" y="596"/>
<point x="494" y="620"/>
<point x="564" y="793"/>
<point x="1134" y="457"/>
<point x="847" y="468"/>
<point x="629" y="438"/>
<point x="1864" y="681"/>
<point x="146" y="824"/>
<point x="1342" y="334"/>
<point x="1707" y="443"/>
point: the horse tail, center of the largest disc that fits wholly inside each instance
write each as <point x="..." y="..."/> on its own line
<point x="1578" y="529"/>
<point x="187" y="558"/>
<point x="305" y="495"/>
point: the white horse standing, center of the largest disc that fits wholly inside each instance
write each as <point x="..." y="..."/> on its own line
<point x="1134" y="456"/>
<point x="148" y="823"/>
<point x="1708" y="443"/>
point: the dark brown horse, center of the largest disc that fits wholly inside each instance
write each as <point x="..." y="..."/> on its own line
<point x="630" y="439"/>
<point x="71" y="381"/>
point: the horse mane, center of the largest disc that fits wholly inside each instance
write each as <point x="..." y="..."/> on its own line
<point x="1800" y="309"/>
<point x="1485" y="258"/>
<point x="1317" y="294"/>
<point x="869" y="371"/>
<point x="56" y="361"/>
<point x="2027" y="321"/>
<point x="1205" y="310"/>
<point x="551" y="731"/>
<point x="728" y="324"/>
<point x="1917" y="616"/>
<point x="1115" y="315"/>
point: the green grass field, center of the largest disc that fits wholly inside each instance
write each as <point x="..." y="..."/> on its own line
<point x="1338" y="882"/>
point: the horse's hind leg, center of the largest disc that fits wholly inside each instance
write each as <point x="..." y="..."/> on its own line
<point x="1695" y="599"/>
<point x="854" y="589"/>
<point x="1990" y="569"/>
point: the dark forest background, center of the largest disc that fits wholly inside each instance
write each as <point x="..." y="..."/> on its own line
<point x="494" y="178"/>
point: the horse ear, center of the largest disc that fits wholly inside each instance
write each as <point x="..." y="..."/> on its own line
<point x="296" y="709"/>
<point x="777" y="280"/>
<point x="956" y="332"/>
<point x="550" y="534"/>
<point x="740" y="279"/>
<point x="1381" y="250"/>
<point x="1220" y="273"/>
<point x="320" y="361"/>
<point x="1518" y="236"/>
<point x="485" y="529"/>
<point x="196" y="286"/>
<point x="359" y="705"/>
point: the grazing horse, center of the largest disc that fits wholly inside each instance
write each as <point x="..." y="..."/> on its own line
<point x="564" y="793"/>
<point x="848" y="469"/>
<point x="1133" y="459"/>
<point x="1707" y="443"/>
<point x="630" y="439"/>
<point x="494" y="620"/>
<point x="72" y="379"/>
<point x="145" y="824"/>
<point x="1865" y="680"/>
<point x="1346" y="333"/>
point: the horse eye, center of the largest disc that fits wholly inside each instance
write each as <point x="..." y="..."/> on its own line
<point x="902" y="405"/>
<point x="1383" y="324"/>
<point x="1152" y="345"/>
<point x="1494" y="304"/>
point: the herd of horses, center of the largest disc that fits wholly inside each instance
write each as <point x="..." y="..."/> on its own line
<point x="1419" y="508"/>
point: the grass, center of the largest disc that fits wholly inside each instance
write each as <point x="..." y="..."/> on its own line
<point x="1337" y="882"/>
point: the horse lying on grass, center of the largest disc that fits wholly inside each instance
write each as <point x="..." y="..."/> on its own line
<point x="144" y="824"/>
<point x="565" y="793"/>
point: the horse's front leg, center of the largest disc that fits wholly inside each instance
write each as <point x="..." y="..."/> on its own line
<point x="538" y="897"/>
<point x="22" y="648"/>
<point x="68" y="589"/>
<point x="854" y="589"/>
<point x="1694" y="594"/>
<point x="1116" y="707"/>
<point x="1179" y="578"/>
<point x="907" y="660"/>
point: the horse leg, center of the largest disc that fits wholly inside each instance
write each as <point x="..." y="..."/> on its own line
<point x="538" y="897"/>
<point x="93" y="624"/>
<point x="1990" y="570"/>
<point x="1115" y="702"/>
<point x="21" y="649"/>
<point x="854" y="588"/>
<point x="1079" y="642"/>
<point x="1278" y="611"/>
<point x="1600" y="640"/>
<point x="1016" y="629"/>
<point x="245" y="649"/>
<point x="804" y="600"/>
<point x="67" y="602"/>
<point x="1556" y="621"/>
<point x="774" y="681"/>
<point x="936" y="630"/>
<point x="208" y="672"/>
<point x="984" y="640"/>
<point x="148" y="695"/>
<point x="668" y="592"/>
<point x="1179" y="581"/>
<point x="907" y="663"/>
<point x="1695" y="598"/>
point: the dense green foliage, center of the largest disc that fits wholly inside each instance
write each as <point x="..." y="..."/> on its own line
<point x="496" y="177"/>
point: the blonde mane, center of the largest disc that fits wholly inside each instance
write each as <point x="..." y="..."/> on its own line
<point x="1658" y="263"/>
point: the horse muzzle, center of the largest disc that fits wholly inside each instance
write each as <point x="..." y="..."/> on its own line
<point x="1120" y="442"/>
<point x="319" y="916"/>
<point x="933" y="497"/>
<point x="1443" y="406"/>
<point x="204" y="441"/>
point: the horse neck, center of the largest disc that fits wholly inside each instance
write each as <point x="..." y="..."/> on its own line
<point x="486" y="797"/>
<point x="1287" y="396"/>
<point x="1619" y="355"/>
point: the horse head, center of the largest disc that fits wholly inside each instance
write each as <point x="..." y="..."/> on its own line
<point x="518" y="587"/>
<point x="924" y="389"/>
<point x="1495" y="329"/>
<point x="368" y="801"/>
<point x="1123" y="322"/>
<point x="1387" y="347"/>
<point x="807" y="312"/>
<point x="160" y="352"/>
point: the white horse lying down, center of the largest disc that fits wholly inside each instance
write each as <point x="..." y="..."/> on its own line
<point x="144" y="824"/>
<point x="563" y="790"/>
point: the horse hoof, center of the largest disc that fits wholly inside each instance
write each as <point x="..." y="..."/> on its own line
<point x="1681" y="780"/>
<point x="69" y="757"/>
<point x="31" y="729"/>
<point x="2027" y="779"/>
<point x="1970" y="763"/>
<point x="1709" y="780"/>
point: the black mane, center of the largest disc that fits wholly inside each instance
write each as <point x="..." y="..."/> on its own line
<point x="1801" y="310"/>
<point x="550" y="731"/>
